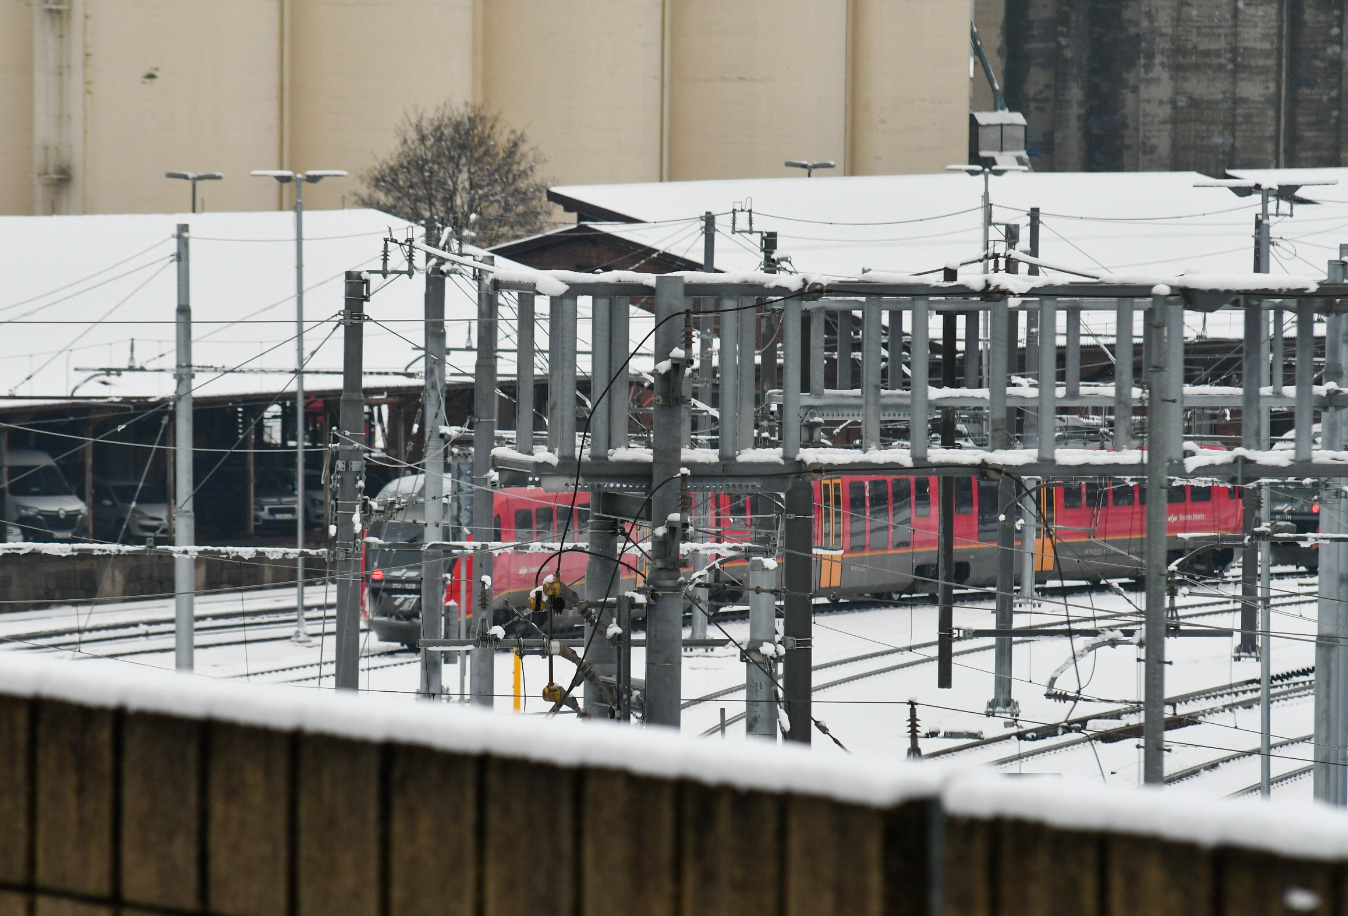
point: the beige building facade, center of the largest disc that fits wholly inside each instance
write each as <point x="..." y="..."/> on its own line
<point x="100" y="97"/>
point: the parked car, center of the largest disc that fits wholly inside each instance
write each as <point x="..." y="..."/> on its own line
<point x="39" y="503"/>
<point x="130" y="510"/>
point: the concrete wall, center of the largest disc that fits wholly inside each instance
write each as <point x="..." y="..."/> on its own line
<point x="143" y="793"/>
<point x="119" y="91"/>
<point x="16" y="108"/>
<point x="178" y="85"/>
<point x="583" y="80"/>
<point x="1178" y="84"/>
<point x="754" y="84"/>
<point x="908" y="111"/>
<point x="354" y="68"/>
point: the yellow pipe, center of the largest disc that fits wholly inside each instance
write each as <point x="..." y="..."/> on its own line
<point x="519" y="680"/>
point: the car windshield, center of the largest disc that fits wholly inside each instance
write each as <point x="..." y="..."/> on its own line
<point x="40" y="480"/>
<point x="128" y="492"/>
<point x="274" y="483"/>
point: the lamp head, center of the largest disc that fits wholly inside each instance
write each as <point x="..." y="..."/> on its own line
<point x="313" y="176"/>
<point x="285" y="176"/>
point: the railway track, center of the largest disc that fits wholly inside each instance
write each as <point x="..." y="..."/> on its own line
<point x="1201" y="768"/>
<point x="1193" y="610"/>
<point x="1274" y="783"/>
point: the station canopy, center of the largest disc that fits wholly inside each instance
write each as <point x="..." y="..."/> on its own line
<point x="87" y="309"/>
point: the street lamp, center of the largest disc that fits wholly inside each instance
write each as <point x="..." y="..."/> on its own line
<point x="986" y="172"/>
<point x="809" y="167"/>
<point x="299" y="179"/>
<point x="194" y="177"/>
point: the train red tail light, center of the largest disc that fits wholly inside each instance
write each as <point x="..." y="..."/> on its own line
<point x="1315" y="508"/>
<point x="377" y="575"/>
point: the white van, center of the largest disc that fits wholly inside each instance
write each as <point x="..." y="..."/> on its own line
<point x="39" y="504"/>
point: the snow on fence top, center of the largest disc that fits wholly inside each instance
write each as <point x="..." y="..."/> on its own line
<point x="367" y="717"/>
<point x="1293" y="830"/>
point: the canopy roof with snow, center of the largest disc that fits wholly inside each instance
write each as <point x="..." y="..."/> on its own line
<point x="1157" y="224"/>
<point x="88" y="307"/>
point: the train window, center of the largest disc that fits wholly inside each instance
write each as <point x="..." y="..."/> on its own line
<point x="826" y="523"/>
<point x="582" y="524"/>
<point x="922" y="497"/>
<point x="564" y="523"/>
<point x="1200" y="494"/>
<point x="964" y="495"/>
<point x="524" y="524"/>
<point x="879" y="513"/>
<point x="1071" y="496"/>
<point x="1123" y="494"/>
<point x="1175" y="493"/>
<point x="987" y="510"/>
<point x="1234" y="493"/>
<point x="739" y="512"/>
<point x="496" y="529"/>
<point x="856" y="512"/>
<point x="903" y="512"/>
<point x="1141" y="495"/>
<point x="545" y="530"/>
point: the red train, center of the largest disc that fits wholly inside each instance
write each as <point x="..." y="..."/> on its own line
<point x="873" y="535"/>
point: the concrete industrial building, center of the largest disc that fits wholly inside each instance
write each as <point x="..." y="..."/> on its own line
<point x="1172" y="85"/>
<point x="102" y="98"/>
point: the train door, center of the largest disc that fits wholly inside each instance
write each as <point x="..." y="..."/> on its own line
<point x="1045" y="548"/>
<point x="830" y="548"/>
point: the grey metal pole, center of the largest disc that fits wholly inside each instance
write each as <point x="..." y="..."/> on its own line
<point x="620" y="395"/>
<point x="760" y="710"/>
<point x="350" y="476"/>
<point x="818" y="319"/>
<point x="708" y="241"/>
<point x="1154" y="549"/>
<point x="727" y="437"/>
<point x="601" y="371"/>
<point x="1073" y="354"/>
<point x="433" y="506"/>
<point x="1250" y="416"/>
<point x="791" y="378"/>
<point x="602" y="581"/>
<point x="1328" y="768"/>
<point x="747" y="352"/>
<point x="1265" y="659"/>
<point x="945" y="533"/>
<point x="1047" y="428"/>
<point x="483" y="680"/>
<point x="184" y="518"/>
<point x="1305" y="379"/>
<point x="301" y="629"/>
<point x="524" y="375"/>
<point x="919" y="418"/>
<point x="566" y="417"/>
<point x="870" y="374"/>
<point x="624" y="615"/>
<point x="797" y="607"/>
<point x="1123" y="374"/>
<point x="999" y="354"/>
<point x="664" y="626"/>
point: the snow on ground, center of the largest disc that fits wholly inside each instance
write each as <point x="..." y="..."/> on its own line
<point x="868" y="715"/>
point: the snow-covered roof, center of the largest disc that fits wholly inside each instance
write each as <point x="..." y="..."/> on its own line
<point x="89" y="297"/>
<point x="1136" y="223"/>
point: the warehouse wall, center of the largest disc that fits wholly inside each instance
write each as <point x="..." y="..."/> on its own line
<point x="120" y="91"/>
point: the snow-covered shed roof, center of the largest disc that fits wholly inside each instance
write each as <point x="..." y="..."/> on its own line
<point x="1136" y="224"/>
<point x="89" y="301"/>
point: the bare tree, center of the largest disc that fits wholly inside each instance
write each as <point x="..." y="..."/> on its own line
<point x="463" y="166"/>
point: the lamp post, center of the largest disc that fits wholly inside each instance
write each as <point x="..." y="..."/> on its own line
<point x="987" y="172"/>
<point x="299" y="179"/>
<point x="809" y="166"/>
<point x="194" y="177"/>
